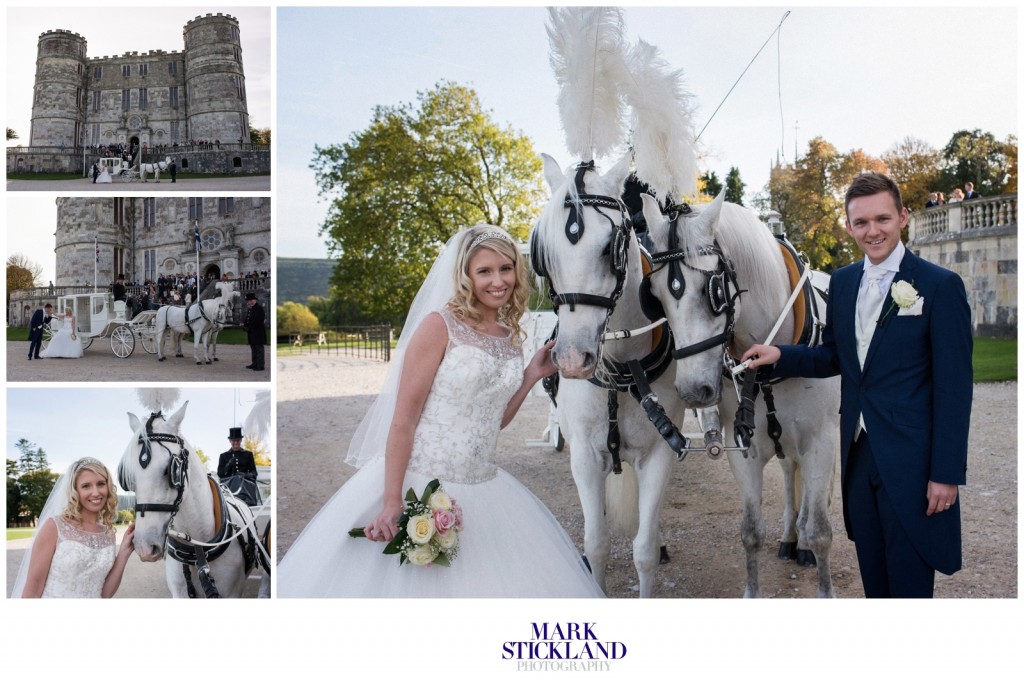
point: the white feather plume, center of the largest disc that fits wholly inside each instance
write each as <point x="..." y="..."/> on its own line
<point x="588" y="59"/>
<point x="258" y="421"/>
<point x="156" y="399"/>
<point x="664" y="147"/>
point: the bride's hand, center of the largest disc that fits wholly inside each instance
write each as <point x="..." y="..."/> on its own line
<point x="128" y="541"/>
<point x="385" y="526"/>
<point x="541" y="366"/>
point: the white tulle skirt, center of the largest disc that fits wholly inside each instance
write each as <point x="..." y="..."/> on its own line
<point x="510" y="546"/>
<point x="63" y="346"/>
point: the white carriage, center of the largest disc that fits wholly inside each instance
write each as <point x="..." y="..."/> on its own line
<point x="120" y="168"/>
<point x="98" y="316"/>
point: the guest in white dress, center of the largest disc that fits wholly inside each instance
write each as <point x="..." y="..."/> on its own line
<point x="65" y="343"/>
<point x="438" y="417"/>
<point x="74" y="553"/>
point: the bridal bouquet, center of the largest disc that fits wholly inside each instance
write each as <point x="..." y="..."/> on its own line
<point x="428" y="529"/>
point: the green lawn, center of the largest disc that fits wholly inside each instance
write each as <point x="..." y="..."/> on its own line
<point x="995" y="360"/>
<point x="20" y="533"/>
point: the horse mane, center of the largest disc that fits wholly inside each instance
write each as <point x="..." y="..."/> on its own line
<point x="128" y="469"/>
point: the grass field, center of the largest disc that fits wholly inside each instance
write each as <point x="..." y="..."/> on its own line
<point x="995" y="360"/>
<point x="20" y="533"/>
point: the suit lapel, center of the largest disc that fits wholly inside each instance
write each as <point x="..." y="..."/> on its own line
<point x="908" y="267"/>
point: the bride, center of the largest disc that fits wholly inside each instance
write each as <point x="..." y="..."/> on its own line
<point x="439" y="417"/>
<point x="74" y="553"/>
<point x="65" y="342"/>
<point x="104" y="177"/>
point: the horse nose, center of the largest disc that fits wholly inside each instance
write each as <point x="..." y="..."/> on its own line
<point x="699" y="395"/>
<point x="149" y="552"/>
<point x="575" y="364"/>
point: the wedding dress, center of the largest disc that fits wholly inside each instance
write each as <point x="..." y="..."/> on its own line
<point x="510" y="546"/>
<point x="80" y="562"/>
<point x="104" y="177"/>
<point x="62" y="345"/>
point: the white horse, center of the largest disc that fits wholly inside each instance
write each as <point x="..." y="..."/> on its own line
<point x="209" y="537"/>
<point x="584" y="246"/>
<point x="703" y="259"/>
<point x="154" y="168"/>
<point x="200" y="320"/>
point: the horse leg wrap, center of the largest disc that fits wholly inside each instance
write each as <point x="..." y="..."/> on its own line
<point x="655" y="411"/>
<point x="744" y="425"/>
<point x="614" y="442"/>
<point x="205" y="579"/>
<point x="774" y="427"/>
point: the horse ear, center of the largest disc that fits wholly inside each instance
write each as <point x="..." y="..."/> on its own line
<point x="552" y="173"/>
<point x="175" y="420"/>
<point x="134" y="422"/>
<point x="652" y="213"/>
<point x="618" y="173"/>
<point x="707" y="221"/>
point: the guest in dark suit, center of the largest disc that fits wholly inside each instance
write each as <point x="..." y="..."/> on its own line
<point x="904" y="354"/>
<point x="237" y="469"/>
<point x="255" y="331"/>
<point x="40" y="319"/>
<point x="933" y="200"/>
<point x="969" y="192"/>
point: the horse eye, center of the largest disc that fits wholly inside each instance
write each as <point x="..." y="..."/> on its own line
<point x="607" y="249"/>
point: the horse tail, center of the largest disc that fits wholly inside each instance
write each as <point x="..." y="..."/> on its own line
<point x="622" y="502"/>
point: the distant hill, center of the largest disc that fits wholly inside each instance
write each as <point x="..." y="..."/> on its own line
<point x="299" y="278"/>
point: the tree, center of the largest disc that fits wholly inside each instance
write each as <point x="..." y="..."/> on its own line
<point x="709" y="184"/>
<point x="973" y="156"/>
<point x="294" y="318"/>
<point x="13" y="492"/>
<point x="260" y="452"/>
<point x="914" y="165"/>
<point x="22" y="273"/>
<point x="809" y="196"/>
<point x="402" y="186"/>
<point x="204" y="457"/>
<point x="35" y="487"/>
<point x="734" y="186"/>
<point x="260" y="136"/>
<point x="11" y="134"/>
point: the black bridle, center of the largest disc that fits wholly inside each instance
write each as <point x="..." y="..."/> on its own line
<point x="574" y="229"/>
<point x="177" y="466"/>
<point x="721" y="288"/>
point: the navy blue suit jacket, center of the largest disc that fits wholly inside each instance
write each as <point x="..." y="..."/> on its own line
<point x="915" y="393"/>
<point x="39" y="318"/>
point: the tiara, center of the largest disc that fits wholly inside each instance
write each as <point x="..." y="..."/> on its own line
<point x="489" y="234"/>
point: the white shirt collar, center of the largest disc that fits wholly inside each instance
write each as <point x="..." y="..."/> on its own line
<point x="892" y="263"/>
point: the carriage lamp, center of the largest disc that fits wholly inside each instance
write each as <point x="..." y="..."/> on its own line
<point x="774" y="221"/>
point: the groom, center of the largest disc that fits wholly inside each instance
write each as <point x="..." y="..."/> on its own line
<point x="899" y="334"/>
<point x="35" y="334"/>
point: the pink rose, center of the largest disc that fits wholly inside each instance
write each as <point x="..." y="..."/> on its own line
<point x="443" y="521"/>
<point x="458" y="514"/>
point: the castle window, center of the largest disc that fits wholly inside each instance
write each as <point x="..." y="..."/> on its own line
<point x="97" y="72"/>
<point x="238" y="57"/>
<point x="174" y="133"/>
<point x="143" y="69"/>
<point x="126" y="99"/>
<point x="126" y="70"/>
<point x="173" y="96"/>
<point x="95" y="101"/>
<point x="172" y="67"/>
<point x="148" y="212"/>
<point x="240" y="87"/>
<point x="150" y="263"/>
<point x="143" y="98"/>
<point x="236" y="161"/>
<point x="95" y="133"/>
<point x="118" y="211"/>
<point x="225" y="206"/>
<point x="259" y="257"/>
<point x="210" y="240"/>
<point x="195" y="208"/>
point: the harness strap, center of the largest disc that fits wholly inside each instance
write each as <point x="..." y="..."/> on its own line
<point x="774" y="427"/>
<point x="613" y="431"/>
<point x="656" y="412"/>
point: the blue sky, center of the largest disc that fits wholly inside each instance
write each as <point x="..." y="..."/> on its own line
<point x="861" y="78"/>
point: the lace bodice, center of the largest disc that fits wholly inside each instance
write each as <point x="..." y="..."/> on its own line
<point x="458" y="430"/>
<point x="80" y="563"/>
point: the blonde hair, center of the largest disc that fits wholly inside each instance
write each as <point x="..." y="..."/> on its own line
<point x="73" y="511"/>
<point x="463" y="303"/>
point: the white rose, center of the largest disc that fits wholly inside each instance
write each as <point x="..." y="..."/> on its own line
<point x="903" y="294"/>
<point x="440" y="500"/>
<point x="448" y="540"/>
<point x="420" y="529"/>
<point x="421" y="555"/>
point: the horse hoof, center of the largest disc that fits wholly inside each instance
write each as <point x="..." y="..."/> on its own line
<point x="216" y="359"/>
<point x="179" y="355"/>
<point x="805" y="557"/>
<point x="162" y="358"/>
<point x="209" y="363"/>
<point x="787" y="550"/>
<point x="199" y="363"/>
<point x="664" y="559"/>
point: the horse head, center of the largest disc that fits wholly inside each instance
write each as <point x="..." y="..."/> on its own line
<point x="581" y="245"/>
<point x="693" y="286"/>
<point x="158" y="465"/>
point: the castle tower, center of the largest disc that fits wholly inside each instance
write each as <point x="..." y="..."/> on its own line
<point x="92" y="239"/>
<point x="59" y="100"/>
<point x="215" y="81"/>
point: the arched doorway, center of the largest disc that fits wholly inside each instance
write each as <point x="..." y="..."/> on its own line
<point x="212" y="272"/>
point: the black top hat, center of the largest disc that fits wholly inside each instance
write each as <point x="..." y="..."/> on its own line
<point x="250" y="297"/>
<point x="235" y="434"/>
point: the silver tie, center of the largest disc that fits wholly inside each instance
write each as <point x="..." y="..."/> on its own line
<point x="869" y="305"/>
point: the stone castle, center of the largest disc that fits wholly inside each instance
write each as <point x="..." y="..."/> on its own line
<point x="179" y="102"/>
<point x="146" y="238"/>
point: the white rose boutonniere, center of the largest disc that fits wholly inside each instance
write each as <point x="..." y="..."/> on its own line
<point x="906" y="298"/>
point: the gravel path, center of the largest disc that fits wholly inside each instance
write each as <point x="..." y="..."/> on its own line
<point x="322" y="398"/>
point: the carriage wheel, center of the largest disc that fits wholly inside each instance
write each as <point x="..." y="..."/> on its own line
<point x="148" y="340"/>
<point x="86" y="342"/>
<point x="47" y="336"/>
<point x="122" y="341"/>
